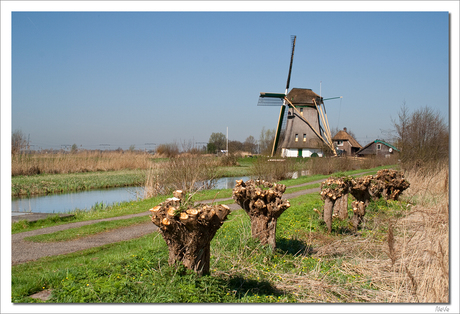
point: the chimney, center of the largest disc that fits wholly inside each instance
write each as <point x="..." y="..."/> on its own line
<point x="345" y="129"/>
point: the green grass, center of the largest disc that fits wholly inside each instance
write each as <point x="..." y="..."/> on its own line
<point x="84" y="231"/>
<point x="64" y="183"/>
<point x="242" y="271"/>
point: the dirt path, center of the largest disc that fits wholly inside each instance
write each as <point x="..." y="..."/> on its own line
<point x="24" y="251"/>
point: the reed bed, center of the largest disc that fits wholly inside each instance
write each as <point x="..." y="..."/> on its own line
<point x="31" y="164"/>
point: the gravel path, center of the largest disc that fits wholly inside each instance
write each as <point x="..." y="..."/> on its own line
<point x="24" y="251"/>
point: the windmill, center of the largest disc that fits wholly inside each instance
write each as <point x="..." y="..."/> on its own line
<point x="304" y="128"/>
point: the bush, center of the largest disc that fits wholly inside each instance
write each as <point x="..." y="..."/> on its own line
<point x="229" y="160"/>
<point x="188" y="174"/>
<point x="271" y="169"/>
<point x="168" y="150"/>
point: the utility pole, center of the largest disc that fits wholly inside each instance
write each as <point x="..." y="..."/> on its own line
<point x="227" y="141"/>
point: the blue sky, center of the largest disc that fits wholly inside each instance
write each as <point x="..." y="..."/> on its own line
<point x="131" y="78"/>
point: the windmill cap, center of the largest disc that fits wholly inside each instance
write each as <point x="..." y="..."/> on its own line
<point x="305" y="96"/>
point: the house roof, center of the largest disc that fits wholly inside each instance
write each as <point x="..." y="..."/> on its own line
<point x="377" y="141"/>
<point x="344" y="136"/>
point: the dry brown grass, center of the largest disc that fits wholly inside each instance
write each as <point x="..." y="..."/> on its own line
<point x="401" y="257"/>
<point x="22" y="164"/>
<point x="410" y="265"/>
<point x="329" y="165"/>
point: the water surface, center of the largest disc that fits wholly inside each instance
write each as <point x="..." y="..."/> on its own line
<point x="64" y="203"/>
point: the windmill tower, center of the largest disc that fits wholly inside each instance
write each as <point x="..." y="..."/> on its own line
<point x="302" y="129"/>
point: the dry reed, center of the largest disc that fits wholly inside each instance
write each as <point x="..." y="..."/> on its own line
<point x="30" y="164"/>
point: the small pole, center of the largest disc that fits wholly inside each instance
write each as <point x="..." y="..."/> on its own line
<point x="227" y="141"/>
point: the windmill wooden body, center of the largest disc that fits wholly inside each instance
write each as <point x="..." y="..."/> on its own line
<point x="303" y="129"/>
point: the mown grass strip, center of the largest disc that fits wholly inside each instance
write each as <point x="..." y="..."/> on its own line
<point x="88" y="230"/>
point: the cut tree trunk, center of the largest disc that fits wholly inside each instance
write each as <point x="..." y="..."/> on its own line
<point x="188" y="231"/>
<point x="341" y="207"/>
<point x="359" y="210"/>
<point x="334" y="192"/>
<point x="263" y="202"/>
<point x="327" y="213"/>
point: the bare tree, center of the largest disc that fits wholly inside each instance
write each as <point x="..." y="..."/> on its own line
<point x="250" y="144"/>
<point x="18" y="142"/>
<point x="266" y="141"/>
<point x="422" y="136"/>
<point x="235" y="146"/>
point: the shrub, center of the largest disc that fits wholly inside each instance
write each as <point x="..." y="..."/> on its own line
<point x="271" y="169"/>
<point x="168" y="150"/>
<point x="229" y="160"/>
<point x="188" y="174"/>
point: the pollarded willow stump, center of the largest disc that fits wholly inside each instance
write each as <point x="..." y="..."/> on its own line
<point x="263" y="202"/>
<point x="334" y="192"/>
<point x="393" y="183"/>
<point x="387" y="183"/>
<point x="188" y="231"/>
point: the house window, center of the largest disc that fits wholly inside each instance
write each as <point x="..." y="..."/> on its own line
<point x="297" y="137"/>
<point x="379" y="146"/>
<point x="339" y="143"/>
<point x="305" y="137"/>
<point x="301" y="112"/>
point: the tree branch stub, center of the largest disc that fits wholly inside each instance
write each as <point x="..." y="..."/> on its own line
<point x="262" y="201"/>
<point x="188" y="231"/>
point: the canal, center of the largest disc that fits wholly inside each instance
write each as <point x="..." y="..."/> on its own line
<point x="64" y="203"/>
